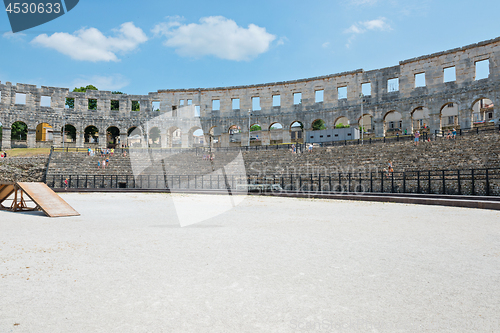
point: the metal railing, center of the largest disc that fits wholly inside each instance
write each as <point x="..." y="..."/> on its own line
<point x="451" y="182"/>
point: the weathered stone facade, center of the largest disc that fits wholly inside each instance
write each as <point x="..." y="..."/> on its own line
<point x="435" y="95"/>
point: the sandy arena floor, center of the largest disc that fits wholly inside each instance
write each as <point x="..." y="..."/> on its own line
<point x="268" y="265"/>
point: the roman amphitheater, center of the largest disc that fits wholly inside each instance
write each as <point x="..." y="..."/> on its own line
<point x="167" y="242"/>
<point x="436" y="91"/>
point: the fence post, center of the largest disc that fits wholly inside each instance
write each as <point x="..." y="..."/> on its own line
<point x="349" y="183"/>
<point x="444" y="184"/>
<point x="381" y="181"/>
<point x="404" y="182"/>
<point x="487" y="183"/>
<point x="429" y="175"/>
<point x="418" y="182"/>
<point x="459" y="185"/>
<point x="371" y="181"/>
<point x="392" y="182"/>
<point x="472" y="179"/>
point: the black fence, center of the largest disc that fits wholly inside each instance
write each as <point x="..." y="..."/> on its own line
<point x="451" y="182"/>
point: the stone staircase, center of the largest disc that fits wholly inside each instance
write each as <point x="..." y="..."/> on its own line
<point x="466" y="152"/>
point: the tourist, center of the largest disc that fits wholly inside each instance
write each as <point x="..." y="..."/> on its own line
<point x="406" y="131"/>
<point x="66" y="184"/>
<point x="389" y="167"/>
<point x="4" y="154"/>
<point x="448" y="135"/>
<point x="103" y="164"/>
<point x="107" y="161"/>
<point x="89" y="151"/>
<point x="124" y="153"/>
<point x="454" y="134"/>
<point x="294" y="149"/>
<point x="112" y="152"/>
<point x="417" y="136"/>
<point x="98" y="164"/>
<point x="310" y="148"/>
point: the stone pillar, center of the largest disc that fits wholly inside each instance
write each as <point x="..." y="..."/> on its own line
<point x="102" y="140"/>
<point x="57" y="139"/>
<point x="265" y="138"/>
<point x="164" y="140"/>
<point x="31" y="138"/>
<point x="123" y="139"/>
<point x="80" y="139"/>
<point x="379" y="127"/>
<point x="185" y="140"/>
<point x="287" y="137"/>
<point x="406" y="119"/>
<point x="434" y="123"/>
<point x="465" y="118"/>
<point x="6" y="138"/>
<point x="244" y="138"/>
<point x="224" y="140"/>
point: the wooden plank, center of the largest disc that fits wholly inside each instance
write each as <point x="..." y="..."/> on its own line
<point x="47" y="200"/>
<point x="5" y="192"/>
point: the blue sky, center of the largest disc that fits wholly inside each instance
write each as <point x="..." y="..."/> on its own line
<point x="142" y="46"/>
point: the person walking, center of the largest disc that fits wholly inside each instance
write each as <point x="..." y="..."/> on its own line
<point x="417" y="137"/>
<point x="98" y="164"/>
<point x="66" y="182"/>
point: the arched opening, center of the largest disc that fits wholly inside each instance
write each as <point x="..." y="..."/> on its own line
<point x="91" y="134"/>
<point x="420" y="119"/>
<point x="235" y="135"/>
<point x="68" y="133"/>
<point x="214" y="136"/>
<point x="296" y="132"/>
<point x="112" y="137"/>
<point x="255" y="135"/>
<point x="154" y="137"/>
<point x="134" y="137"/>
<point x="44" y="132"/>
<point x="393" y="124"/>
<point x="342" y="122"/>
<point x="483" y="112"/>
<point x="276" y="133"/>
<point x="19" y="131"/>
<point x="318" y="124"/>
<point x="196" y="137"/>
<point x="366" y="123"/>
<point x="449" y="116"/>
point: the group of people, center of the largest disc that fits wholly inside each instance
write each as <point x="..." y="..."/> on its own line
<point x="451" y="134"/>
<point x="208" y="157"/>
<point x="3" y="155"/>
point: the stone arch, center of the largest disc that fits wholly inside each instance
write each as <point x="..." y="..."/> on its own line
<point x="68" y="133"/>
<point x="342" y="120"/>
<point x="195" y="137"/>
<point x="19" y="131"/>
<point x="393" y="123"/>
<point x="483" y="111"/>
<point x="297" y="131"/>
<point x="91" y="134"/>
<point x="318" y="124"/>
<point x="448" y="116"/>
<point x="134" y="136"/>
<point x="420" y="118"/>
<point x="276" y="133"/>
<point x="112" y="137"/>
<point x="154" y="137"/>
<point x="367" y="123"/>
<point x="44" y="132"/>
<point x="276" y="126"/>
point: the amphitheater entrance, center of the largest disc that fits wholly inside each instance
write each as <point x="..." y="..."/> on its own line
<point x="449" y="116"/>
<point x="69" y="134"/>
<point x="154" y="139"/>
<point x="91" y="135"/>
<point x="393" y="124"/>
<point x="44" y="133"/>
<point x="276" y="133"/>
<point x="234" y="135"/>
<point x="196" y="137"/>
<point x="134" y="137"/>
<point x="482" y="113"/>
<point x="296" y="132"/>
<point x="366" y="123"/>
<point x="113" y="137"/>
<point x="420" y="119"/>
<point x="19" y="135"/>
<point x="255" y="135"/>
<point x="214" y="136"/>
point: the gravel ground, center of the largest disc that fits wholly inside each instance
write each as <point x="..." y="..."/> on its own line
<point x="268" y="265"/>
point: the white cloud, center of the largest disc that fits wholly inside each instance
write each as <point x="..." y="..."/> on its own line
<point x="11" y="35"/>
<point x="89" y="44"/>
<point x="217" y="36"/>
<point x="282" y="41"/>
<point x="112" y="82"/>
<point x="325" y="45"/>
<point x="358" y="28"/>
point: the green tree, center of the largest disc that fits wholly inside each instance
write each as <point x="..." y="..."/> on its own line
<point x="255" y="128"/>
<point x="70" y="102"/>
<point x="19" y="131"/>
<point x="154" y="134"/>
<point x="318" y="124"/>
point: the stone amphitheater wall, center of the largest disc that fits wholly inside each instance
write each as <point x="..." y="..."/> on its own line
<point x="463" y="92"/>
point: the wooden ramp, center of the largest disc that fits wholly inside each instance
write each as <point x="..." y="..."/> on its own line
<point x="42" y="196"/>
